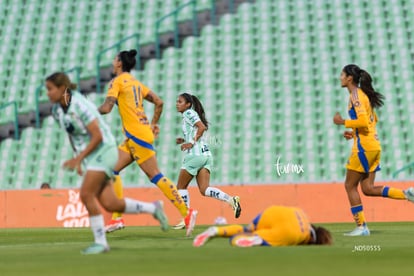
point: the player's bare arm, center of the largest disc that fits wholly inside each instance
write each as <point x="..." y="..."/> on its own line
<point x="153" y="98"/>
<point x="200" y="130"/>
<point x="96" y="139"/>
<point x="107" y="106"/>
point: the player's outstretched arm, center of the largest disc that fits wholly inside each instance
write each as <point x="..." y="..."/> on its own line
<point x="217" y="231"/>
<point x="107" y="106"/>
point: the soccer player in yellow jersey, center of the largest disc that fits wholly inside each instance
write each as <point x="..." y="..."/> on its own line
<point x="364" y="160"/>
<point x="128" y="93"/>
<point x="275" y="226"/>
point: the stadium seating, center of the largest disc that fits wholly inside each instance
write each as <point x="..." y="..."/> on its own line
<point x="267" y="75"/>
<point x="39" y="37"/>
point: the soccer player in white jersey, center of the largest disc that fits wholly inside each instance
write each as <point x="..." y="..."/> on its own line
<point x="198" y="160"/>
<point x="96" y="150"/>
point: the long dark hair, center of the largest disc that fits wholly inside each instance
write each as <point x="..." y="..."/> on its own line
<point x="363" y="79"/>
<point x="323" y="236"/>
<point x="196" y="105"/>
<point x="128" y="59"/>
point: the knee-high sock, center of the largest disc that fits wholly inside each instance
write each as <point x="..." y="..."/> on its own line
<point x="217" y="194"/>
<point x="98" y="229"/>
<point x="230" y="230"/>
<point x="358" y="213"/>
<point x="393" y="193"/>
<point x="133" y="206"/>
<point x="185" y="195"/>
<point x="170" y="191"/>
<point x="119" y="191"/>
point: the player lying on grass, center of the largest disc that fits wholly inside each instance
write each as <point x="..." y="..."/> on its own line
<point x="95" y="148"/>
<point x="364" y="160"/>
<point x="198" y="159"/>
<point x="275" y="226"/>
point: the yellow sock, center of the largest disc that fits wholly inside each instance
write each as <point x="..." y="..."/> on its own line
<point x="230" y="230"/>
<point x="170" y="191"/>
<point x="358" y="213"/>
<point x="119" y="191"/>
<point x="393" y="193"/>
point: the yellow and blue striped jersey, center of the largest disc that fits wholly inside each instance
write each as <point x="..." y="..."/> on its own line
<point x="363" y="122"/>
<point x="130" y="94"/>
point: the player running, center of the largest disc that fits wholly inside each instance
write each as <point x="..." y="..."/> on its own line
<point x="128" y="93"/>
<point x="275" y="226"/>
<point x="95" y="148"/>
<point x="364" y="160"/>
<point x="198" y="159"/>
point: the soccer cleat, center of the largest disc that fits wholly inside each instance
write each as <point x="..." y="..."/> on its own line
<point x="246" y="240"/>
<point x="160" y="215"/>
<point x="358" y="231"/>
<point x="409" y="194"/>
<point x="190" y="221"/>
<point x="202" y="238"/>
<point x="115" y="225"/>
<point x="235" y="204"/>
<point x="179" y="226"/>
<point x="95" y="248"/>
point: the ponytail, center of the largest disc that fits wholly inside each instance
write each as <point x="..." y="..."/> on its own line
<point x="365" y="82"/>
<point x="197" y="106"/>
<point x="363" y="79"/>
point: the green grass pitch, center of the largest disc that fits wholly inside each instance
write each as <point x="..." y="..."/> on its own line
<point x="147" y="251"/>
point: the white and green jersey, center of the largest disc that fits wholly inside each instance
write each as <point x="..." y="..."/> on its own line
<point x="80" y="114"/>
<point x="190" y="118"/>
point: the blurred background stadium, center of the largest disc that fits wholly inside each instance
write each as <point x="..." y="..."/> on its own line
<point x="266" y="70"/>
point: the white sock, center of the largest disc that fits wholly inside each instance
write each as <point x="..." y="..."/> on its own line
<point x="133" y="206"/>
<point x="218" y="194"/>
<point x="186" y="196"/>
<point x="213" y="231"/>
<point x="98" y="228"/>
